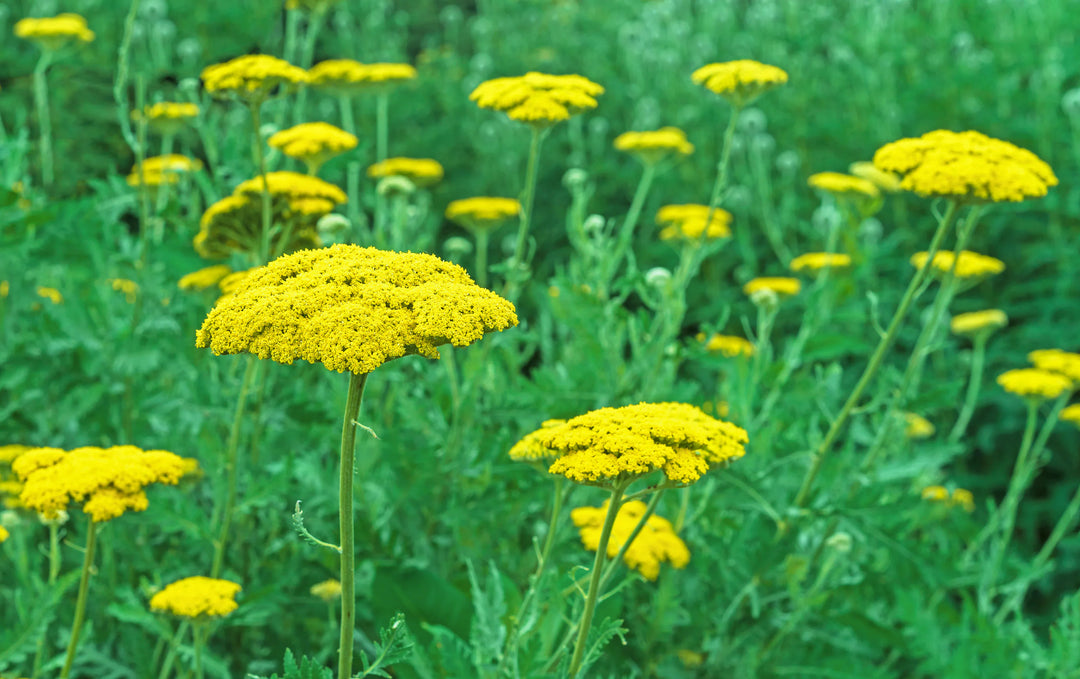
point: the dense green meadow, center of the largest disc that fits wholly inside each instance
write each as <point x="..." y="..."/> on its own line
<point x="898" y="513"/>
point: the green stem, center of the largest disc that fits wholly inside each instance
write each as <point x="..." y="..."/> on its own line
<point x="531" y="172"/>
<point x="198" y="640"/>
<point x="613" y="565"/>
<point x="382" y="126"/>
<point x="978" y="360"/>
<point x="174" y="645"/>
<point x="482" y="238"/>
<point x="307" y="55"/>
<point x="231" y="463"/>
<point x="595" y="580"/>
<point x="259" y="154"/>
<point x="875" y="360"/>
<point x="352" y="179"/>
<point x="41" y="104"/>
<point x="54" y="572"/>
<point x="626" y="234"/>
<point x="80" y="602"/>
<point x="345" y="518"/>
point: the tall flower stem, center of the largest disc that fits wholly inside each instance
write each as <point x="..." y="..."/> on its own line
<point x="174" y="644"/>
<point x="259" y="155"/>
<point x="198" y="640"/>
<point x="54" y="573"/>
<point x="382" y="126"/>
<point x="528" y="197"/>
<point x="80" y="602"/>
<point x="626" y="233"/>
<point x="232" y="455"/>
<point x="876" y="359"/>
<point x="345" y="518"/>
<point x="307" y="55"/>
<point x="482" y="238"/>
<point x="595" y="580"/>
<point x="41" y="104"/>
<point x="352" y="180"/>
<point x="978" y="360"/>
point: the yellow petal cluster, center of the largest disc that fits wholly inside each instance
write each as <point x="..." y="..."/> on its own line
<point x="812" y="262"/>
<point x="844" y="185"/>
<point x="483" y="213"/>
<point x="169" y="110"/>
<point x="529" y="447"/>
<point x="656" y="543"/>
<point x="1057" y="361"/>
<point x="780" y="286"/>
<point x="251" y="78"/>
<point x="327" y="590"/>
<point x="970" y="265"/>
<point x="686" y="222"/>
<point x="740" y="81"/>
<point x="964" y="498"/>
<point x="129" y="287"/>
<point x="612" y="444"/>
<point x="52" y="33"/>
<point x="10" y="488"/>
<point x="978" y="322"/>
<point x="728" y="345"/>
<point x="652" y="147"/>
<point x="160" y="170"/>
<point x="935" y="493"/>
<point x="967" y="166"/>
<point x="538" y="99"/>
<point x="917" y="427"/>
<point x="420" y="171"/>
<point x="4" y="534"/>
<point x="313" y="143"/>
<point x="886" y="181"/>
<point x="1071" y="414"/>
<point x="353" y="309"/>
<point x="204" y="278"/>
<point x="351" y="77"/>
<point x="108" y="481"/>
<point x="197" y="597"/>
<point x="51" y="294"/>
<point x="1034" y="383"/>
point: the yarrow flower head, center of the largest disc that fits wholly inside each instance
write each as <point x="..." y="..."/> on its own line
<point x="966" y="166"/>
<point x="741" y="81"/>
<point x="327" y="590"/>
<point x="935" y="493"/>
<point x="1071" y="414"/>
<point x="976" y="323"/>
<point x="779" y="286"/>
<point x="420" y="171"/>
<point x="652" y="147"/>
<point x="4" y="534"/>
<point x="252" y="78"/>
<point x="197" y="598"/>
<point x="204" y="278"/>
<point x="1057" y="361"/>
<point x="313" y="143"/>
<point x="1035" y="384"/>
<point x="482" y="213"/>
<point x="529" y="448"/>
<point x="353" y="309"/>
<point x="687" y="222"/>
<point x="52" y="33"/>
<point x="108" y="481"/>
<point x="844" y="185"/>
<point x="885" y="181"/>
<point x="348" y="77"/>
<point x="51" y="294"/>
<point x="656" y="543"/>
<point x="971" y="266"/>
<point x="167" y="117"/>
<point x="160" y="170"/>
<point x="813" y="262"/>
<point x="917" y="427"/>
<point x="613" y="445"/>
<point x="728" y="345"/>
<point x="538" y="99"/>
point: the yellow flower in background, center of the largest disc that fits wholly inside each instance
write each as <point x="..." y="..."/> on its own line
<point x="128" y="287"/>
<point x="529" y="448"/>
<point x="197" y="597"/>
<point x="160" y="170"/>
<point x="609" y="445"/>
<point x="313" y="143"/>
<point x="167" y="117"/>
<point x="813" y="262"/>
<point x="656" y="543"/>
<point x="420" y="171"/>
<point x="728" y="345"/>
<point x="844" y="185"/>
<point x="978" y="322"/>
<point x="292" y="186"/>
<point x="917" y="427"/>
<point x="4" y="534"/>
<point x="686" y="222"/>
<point x="1057" y="361"/>
<point x="51" y="294"/>
<point x="652" y="147"/>
<point x="935" y="493"/>
<point x="1071" y="414"/>
<point x="108" y="481"/>
<point x="741" y="81"/>
<point x="483" y="213"/>
<point x="353" y="309"/>
<point x="886" y="181"/>
<point x="231" y="282"/>
<point x="964" y="498"/>
<point x="1034" y="383"/>
<point x="967" y="166"/>
<point x="251" y="78"/>
<point x="5" y="289"/>
<point x="972" y="265"/>
<point x="327" y="590"/>
<point x="204" y="278"/>
<point x="311" y="5"/>
<point x="346" y="76"/>
<point x="52" y="33"/>
<point x="538" y="99"/>
<point x="779" y="286"/>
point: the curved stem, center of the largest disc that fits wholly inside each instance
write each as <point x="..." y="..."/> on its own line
<point x="232" y="459"/>
<point x="198" y="640"/>
<point x="54" y="572"/>
<point x="41" y="104"/>
<point x="875" y="360"/>
<point x="80" y="602"/>
<point x="531" y="171"/>
<point x="174" y="644"/>
<point x="626" y="233"/>
<point x="345" y="519"/>
<point x="978" y="360"/>
<point x="382" y="126"/>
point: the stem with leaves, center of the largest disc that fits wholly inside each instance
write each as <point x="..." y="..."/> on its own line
<point x="80" y="602"/>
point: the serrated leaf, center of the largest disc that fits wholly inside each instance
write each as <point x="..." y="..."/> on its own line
<point x="599" y="636"/>
<point x="487" y="635"/>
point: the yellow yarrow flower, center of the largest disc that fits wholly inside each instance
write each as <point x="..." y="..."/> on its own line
<point x="52" y="33"/>
<point x="108" y="481"/>
<point x="327" y="590"/>
<point x="4" y="534"/>
<point x="964" y="498"/>
<point x="292" y="186"/>
<point x="313" y="143"/>
<point x="656" y="543"/>
<point x="886" y="181"/>
<point x="1034" y="383"/>
<point x="51" y="294"/>
<point x="686" y="222"/>
<point x="813" y="262"/>
<point x="160" y="170"/>
<point x="197" y="597"/>
<point x="353" y="309"/>
<point x="972" y="265"/>
<point x="128" y="287"/>
<point x="204" y="278"/>
<point x="167" y="117"/>
<point x="346" y="76"/>
<point x="935" y="493"/>
<point x="538" y="99"/>
<point x="741" y="81"/>
<point x="1057" y="361"/>
<point x="967" y="166"/>
<point x="483" y="213"/>
<point x="610" y="445"/>
<point x="652" y="147"/>
<point x="978" y="322"/>
<point x="5" y="289"/>
<point x="1071" y="414"/>
<point x="844" y="185"/>
<point x="917" y="427"/>
<point x="420" y="171"/>
<point x="780" y="286"/>
<point x="728" y="345"/>
<point x="529" y="448"/>
<point x="251" y="78"/>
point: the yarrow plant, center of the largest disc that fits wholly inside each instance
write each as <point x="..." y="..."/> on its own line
<point x="655" y="543"/>
<point x="197" y="600"/>
<point x="313" y="143"/>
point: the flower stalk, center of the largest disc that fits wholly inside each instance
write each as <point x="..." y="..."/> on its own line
<point x="80" y="602"/>
<point x="345" y="518"/>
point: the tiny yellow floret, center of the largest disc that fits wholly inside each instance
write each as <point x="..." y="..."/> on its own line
<point x="656" y="543"/>
<point x="197" y="597"/>
<point x="964" y="498"/>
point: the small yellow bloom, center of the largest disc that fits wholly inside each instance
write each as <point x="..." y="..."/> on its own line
<point x="1071" y="414"/>
<point x="686" y="222"/>
<point x="781" y="287"/>
<point x="917" y="427"/>
<point x="128" y="287"/>
<point x="1034" y="383"/>
<point x="51" y="294"/>
<point x="813" y="262"/>
<point x="972" y="265"/>
<point x="160" y="170"/>
<point x="4" y="534"/>
<point x="348" y="77"/>
<point x="204" y="278"/>
<point x="728" y="345"/>
<point x="844" y="185"/>
<point x="1057" y="361"/>
<point x="55" y="32"/>
<point x="652" y="147"/>
<point x="964" y="498"/>
<point x="978" y="322"/>
<point x="167" y="117"/>
<point x="251" y="78"/>
<point x="197" y="597"/>
<point x="5" y="288"/>
<point x="656" y="543"/>
<point x="741" y="81"/>
<point x="313" y="143"/>
<point x="420" y="171"/>
<point x="482" y="213"/>
<point x="886" y="181"/>
<point x="538" y="99"/>
<point x="935" y="493"/>
<point x="529" y="448"/>
<point x="327" y="590"/>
